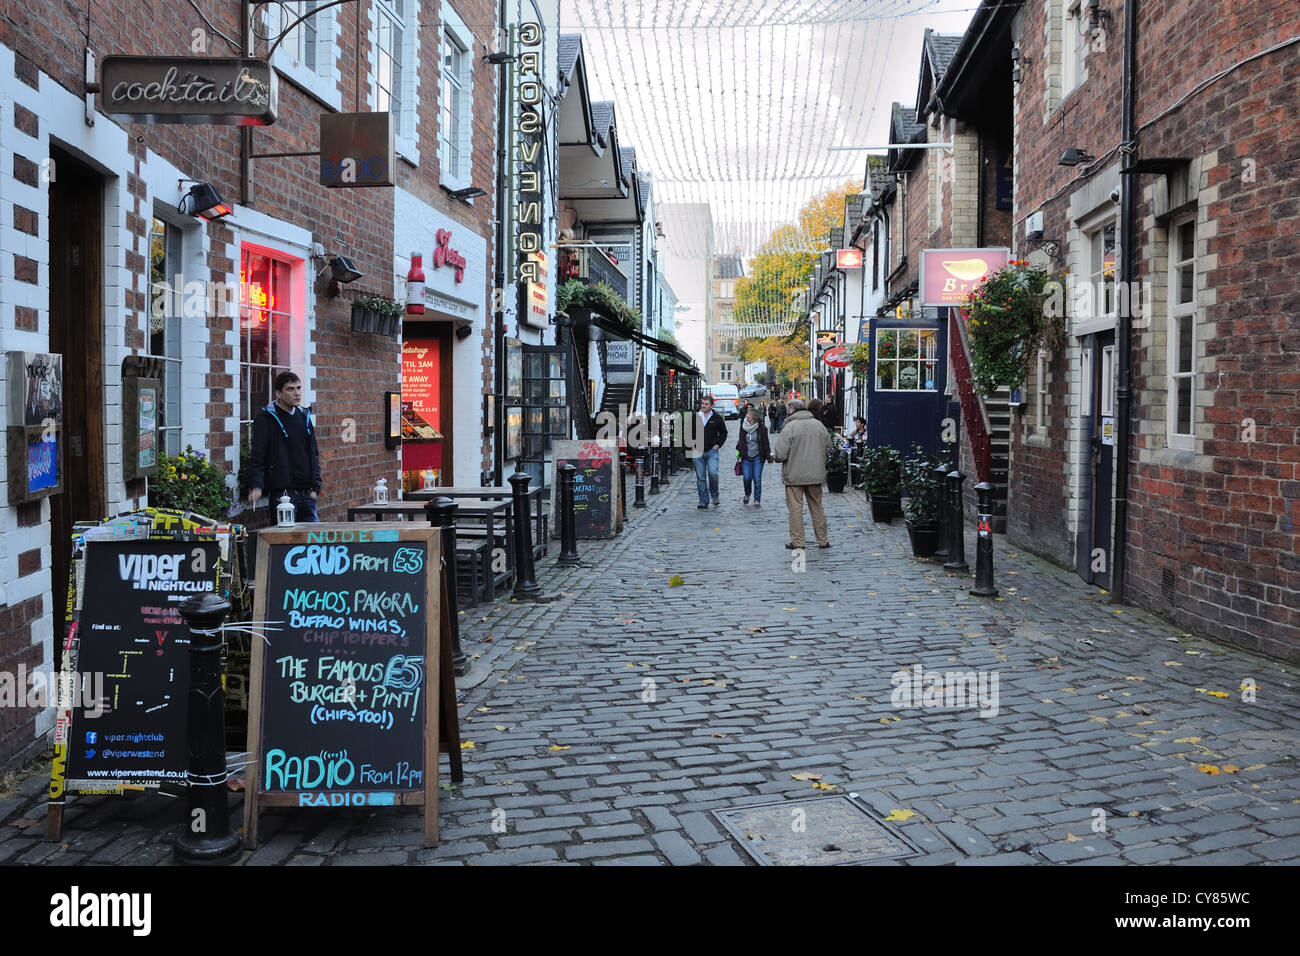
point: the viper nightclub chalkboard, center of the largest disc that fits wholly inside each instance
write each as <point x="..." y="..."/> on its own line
<point x="132" y="661"/>
<point x="345" y="685"/>
<point x="594" y="492"/>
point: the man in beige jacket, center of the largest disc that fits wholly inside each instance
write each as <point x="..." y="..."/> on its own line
<point x="801" y="448"/>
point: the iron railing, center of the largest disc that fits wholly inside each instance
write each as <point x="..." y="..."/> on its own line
<point x="591" y="265"/>
<point x="973" y="413"/>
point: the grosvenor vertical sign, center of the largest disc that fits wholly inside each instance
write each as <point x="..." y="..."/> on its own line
<point x="528" y="146"/>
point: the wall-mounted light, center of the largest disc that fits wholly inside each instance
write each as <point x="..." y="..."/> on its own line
<point x="469" y="192"/>
<point x="1074" y="156"/>
<point x="463" y="332"/>
<point x="343" y="270"/>
<point x="203" y="202"/>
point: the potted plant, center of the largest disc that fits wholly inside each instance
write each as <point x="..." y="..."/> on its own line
<point x="189" y="482"/>
<point x="920" y="485"/>
<point x="837" y="466"/>
<point x="881" y="475"/>
<point x="1007" y="321"/>
<point x="376" y="313"/>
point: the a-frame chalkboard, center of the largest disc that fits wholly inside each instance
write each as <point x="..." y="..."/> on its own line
<point x="352" y="694"/>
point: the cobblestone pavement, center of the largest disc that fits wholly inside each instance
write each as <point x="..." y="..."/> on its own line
<point x="607" y="724"/>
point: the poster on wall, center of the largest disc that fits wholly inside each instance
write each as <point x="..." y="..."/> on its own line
<point x="34" y="425"/>
<point x="514" y="432"/>
<point x="35" y="388"/>
<point x="514" y="370"/>
<point x="147" y="455"/>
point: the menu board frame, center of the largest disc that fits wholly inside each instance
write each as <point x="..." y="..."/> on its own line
<point x="439" y="712"/>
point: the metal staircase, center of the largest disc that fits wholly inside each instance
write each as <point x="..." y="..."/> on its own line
<point x="998" y="408"/>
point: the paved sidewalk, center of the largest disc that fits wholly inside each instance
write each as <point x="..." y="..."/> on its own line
<point x="608" y="723"/>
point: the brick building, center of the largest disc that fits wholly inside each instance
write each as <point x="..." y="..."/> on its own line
<point x="1208" y="539"/>
<point x="94" y="241"/>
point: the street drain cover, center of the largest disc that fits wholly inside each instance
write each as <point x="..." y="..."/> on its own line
<point x="827" y="831"/>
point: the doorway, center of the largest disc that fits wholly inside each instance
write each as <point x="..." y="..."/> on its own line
<point x="77" y="333"/>
<point x="1093" y="558"/>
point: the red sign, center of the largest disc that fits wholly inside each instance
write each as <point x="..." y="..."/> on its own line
<point x="848" y="258"/>
<point x="949" y="275"/>
<point x="837" y="357"/>
<point x="421" y="418"/>
<point x="445" y="255"/>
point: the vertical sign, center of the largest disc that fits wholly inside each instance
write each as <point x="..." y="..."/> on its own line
<point x="528" y="158"/>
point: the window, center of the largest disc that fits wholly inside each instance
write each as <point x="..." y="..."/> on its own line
<point x="1092" y="302"/>
<point x="1074" y="46"/>
<point x="308" y="51"/>
<point x="1182" y="333"/>
<point x="265" y="329"/>
<point x="390" y="46"/>
<point x="1040" y="396"/>
<point x="300" y="42"/>
<point x="906" y="359"/>
<point x="455" y="108"/>
<point x="724" y="372"/>
<point x="165" y="313"/>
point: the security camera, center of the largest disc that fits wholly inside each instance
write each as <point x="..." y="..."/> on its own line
<point x="1114" y="195"/>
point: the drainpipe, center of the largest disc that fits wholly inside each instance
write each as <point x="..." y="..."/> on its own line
<point x="1127" y="263"/>
<point x="499" y="283"/>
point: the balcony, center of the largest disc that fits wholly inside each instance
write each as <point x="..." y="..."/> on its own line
<point x="591" y="266"/>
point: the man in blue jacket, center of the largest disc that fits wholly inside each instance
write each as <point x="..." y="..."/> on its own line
<point x="285" y="458"/>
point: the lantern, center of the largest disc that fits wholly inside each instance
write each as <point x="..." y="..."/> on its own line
<point x="284" y="512"/>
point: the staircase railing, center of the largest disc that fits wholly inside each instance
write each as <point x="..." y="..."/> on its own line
<point x="973" y="412"/>
<point x="578" y="393"/>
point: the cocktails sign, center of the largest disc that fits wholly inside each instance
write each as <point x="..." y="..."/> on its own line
<point x="229" y="91"/>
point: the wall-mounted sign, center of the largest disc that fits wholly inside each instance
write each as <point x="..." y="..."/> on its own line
<point x="837" y="357"/>
<point x="537" y="297"/>
<point x="443" y="304"/>
<point x="826" y="337"/>
<point x="356" y="149"/>
<point x="445" y="255"/>
<point x="225" y="91"/>
<point x="514" y="370"/>
<point x="35" y="423"/>
<point x="949" y="275"/>
<point x="1108" y="431"/>
<point x="527" y="83"/>
<point x="848" y="258"/>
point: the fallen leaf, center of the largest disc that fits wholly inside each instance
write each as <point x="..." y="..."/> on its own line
<point x="1217" y="693"/>
<point x="757" y="630"/>
<point x="787" y="609"/>
<point x="717" y="735"/>
<point x="1071" y="838"/>
<point x="889" y="720"/>
<point x="1209" y="768"/>
<point x="709" y="681"/>
<point x="1135" y="678"/>
<point x="554" y="747"/>
<point x="447" y="786"/>
<point x="500" y="727"/>
<point x="675" y="581"/>
<point x="898" y="816"/>
<point x="805" y="776"/>
<point x="1230" y="768"/>
<point x="467" y="745"/>
<point x="482" y="710"/>
<point x="1173" y="664"/>
<point x="823" y="786"/>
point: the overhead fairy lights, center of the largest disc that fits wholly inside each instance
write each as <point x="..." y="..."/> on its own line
<point x="735" y="104"/>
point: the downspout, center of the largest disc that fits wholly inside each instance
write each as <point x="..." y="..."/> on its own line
<point x="1128" y="238"/>
<point x="499" y="284"/>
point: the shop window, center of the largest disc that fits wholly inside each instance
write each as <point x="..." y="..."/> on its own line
<point x="1182" y="334"/>
<point x="906" y="360"/>
<point x="265" y="328"/>
<point x="166" y="309"/>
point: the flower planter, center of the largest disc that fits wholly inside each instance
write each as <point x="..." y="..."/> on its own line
<point x="924" y="538"/>
<point x="835" y="481"/>
<point x="358" y="318"/>
<point x="883" y="508"/>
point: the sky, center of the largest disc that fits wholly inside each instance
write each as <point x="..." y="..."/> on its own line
<point x="735" y="102"/>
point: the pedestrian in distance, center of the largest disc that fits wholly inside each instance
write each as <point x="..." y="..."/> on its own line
<point x="859" y="429"/>
<point x="773" y="415"/>
<point x="285" y="459"/>
<point x="801" y="448"/>
<point x="754" y="449"/>
<point x="714" y="429"/>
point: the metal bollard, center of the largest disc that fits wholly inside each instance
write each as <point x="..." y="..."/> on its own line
<point x="526" y="588"/>
<point x="941" y="502"/>
<point x="568" y="528"/>
<point x="640" y="479"/>
<point x="441" y="513"/>
<point x="956" y="525"/>
<point x="984" y="544"/>
<point x="654" y="465"/>
<point x="206" y="838"/>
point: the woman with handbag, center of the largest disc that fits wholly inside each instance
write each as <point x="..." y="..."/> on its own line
<point x="754" y="450"/>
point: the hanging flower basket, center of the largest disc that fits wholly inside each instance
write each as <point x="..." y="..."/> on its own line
<point x="1007" y="324"/>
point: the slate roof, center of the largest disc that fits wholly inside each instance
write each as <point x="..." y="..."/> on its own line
<point x="602" y="118"/>
<point x="941" y="47"/>
<point x="728" y="267"/>
<point x="570" y="48"/>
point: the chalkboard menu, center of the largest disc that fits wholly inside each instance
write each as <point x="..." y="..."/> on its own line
<point x="595" y="494"/>
<point x="345" y="686"/>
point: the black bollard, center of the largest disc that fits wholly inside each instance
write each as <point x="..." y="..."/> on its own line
<point x="654" y="466"/>
<point x="206" y="838"/>
<point x="568" y="528"/>
<point x="526" y="588"/>
<point x="441" y="513"/>
<point x="940" y="474"/>
<point x="640" y="479"/>
<point x="984" y="544"/>
<point x="956" y="525"/>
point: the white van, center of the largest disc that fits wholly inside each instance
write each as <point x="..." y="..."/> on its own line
<point x="726" y="399"/>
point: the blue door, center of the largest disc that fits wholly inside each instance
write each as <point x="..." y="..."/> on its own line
<point x="905" y="392"/>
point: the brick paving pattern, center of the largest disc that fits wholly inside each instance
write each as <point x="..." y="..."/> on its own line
<point x="632" y="708"/>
